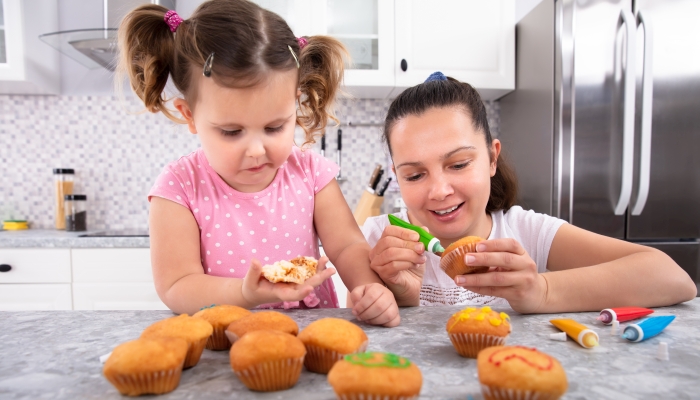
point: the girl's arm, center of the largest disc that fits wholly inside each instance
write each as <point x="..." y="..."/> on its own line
<point x="592" y="272"/>
<point x="348" y="250"/>
<point x="179" y="276"/>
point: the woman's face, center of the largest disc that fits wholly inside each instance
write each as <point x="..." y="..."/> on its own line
<point x="246" y="133"/>
<point x="444" y="168"/>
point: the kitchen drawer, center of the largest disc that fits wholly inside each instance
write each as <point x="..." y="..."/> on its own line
<point x="35" y="265"/>
<point x="32" y="297"/>
<point x="112" y="265"/>
<point x="116" y="296"/>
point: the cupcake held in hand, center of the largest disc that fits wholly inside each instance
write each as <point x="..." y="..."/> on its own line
<point x="267" y="360"/>
<point x="328" y="340"/>
<point x="517" y="372"/>
<point x="375" y="375"/>
<point x="146" y="366"/>
<point x="472" y="330"/>
<point x="452" y="259"/>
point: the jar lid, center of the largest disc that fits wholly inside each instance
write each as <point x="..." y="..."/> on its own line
<point x="63" y="171"/>
<point x="75" y="197"/>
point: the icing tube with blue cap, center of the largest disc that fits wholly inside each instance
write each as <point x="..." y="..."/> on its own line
<point x="647" y="328"/>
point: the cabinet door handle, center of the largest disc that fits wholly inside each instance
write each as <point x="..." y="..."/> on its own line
<point x="5" y="267"/>
<point x="404" y="65"/>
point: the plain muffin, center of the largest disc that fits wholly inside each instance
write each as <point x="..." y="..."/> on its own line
<point x="267" y="360"/>
<point x="220" y="316"/>
<point x="261" y="320"/>
<point x="195" y="331"/>
<point x="327" y="340"/>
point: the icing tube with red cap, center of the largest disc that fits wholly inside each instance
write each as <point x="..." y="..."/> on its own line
<point x="622" y="314"/>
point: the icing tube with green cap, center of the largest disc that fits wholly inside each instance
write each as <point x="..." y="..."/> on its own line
<point x="431" y="243"/>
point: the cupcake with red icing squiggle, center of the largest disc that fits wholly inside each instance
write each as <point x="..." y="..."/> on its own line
<point x="472" y="330"/>
<point x="517" y="372"/>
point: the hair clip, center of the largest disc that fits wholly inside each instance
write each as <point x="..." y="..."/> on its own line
<point x="207" y="65"/>
<point x="172" y="19"/>
<point x="436" y="76"/>
<point x="302" y="42"/>
<point x="294" y="55"/>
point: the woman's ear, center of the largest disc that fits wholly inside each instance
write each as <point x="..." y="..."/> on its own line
<point x="184" y="109"/>
<point x="495" y="152"/>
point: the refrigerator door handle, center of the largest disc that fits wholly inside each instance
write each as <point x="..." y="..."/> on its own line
<point x="647" y="98"/>
<point x="627" y="19"/>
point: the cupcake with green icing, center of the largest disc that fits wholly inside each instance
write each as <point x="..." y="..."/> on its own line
<point x="373" y="375"/>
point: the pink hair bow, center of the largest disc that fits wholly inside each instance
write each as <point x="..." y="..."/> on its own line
<point x="172" y="19"/>
<point x="302" y="42"/>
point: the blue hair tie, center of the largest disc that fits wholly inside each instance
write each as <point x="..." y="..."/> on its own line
<point x="436" y="76"/>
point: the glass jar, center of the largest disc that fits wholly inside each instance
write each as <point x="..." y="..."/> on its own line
<point x="75" y="212"/>
<point x="63" y="182"/>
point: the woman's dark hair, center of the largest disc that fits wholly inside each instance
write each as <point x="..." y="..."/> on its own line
<point x="453" y="93"/>
<point x="248" y="43"/>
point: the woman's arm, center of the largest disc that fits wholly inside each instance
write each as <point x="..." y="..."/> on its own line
<point x="348" y="250"/>
<point x="592" y="272"/>
<point x="179" y="276"/>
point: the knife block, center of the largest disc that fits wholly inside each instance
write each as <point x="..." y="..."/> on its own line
<point x="369" y="206"/>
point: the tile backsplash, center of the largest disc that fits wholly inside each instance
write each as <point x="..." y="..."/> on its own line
<point x="117" y="153"/>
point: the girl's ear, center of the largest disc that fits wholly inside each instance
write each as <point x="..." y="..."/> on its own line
<point x="495" y="152"/>
<point x="186" y="112"/>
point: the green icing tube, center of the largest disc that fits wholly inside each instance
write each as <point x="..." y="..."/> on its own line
<point x="429" y="241"/>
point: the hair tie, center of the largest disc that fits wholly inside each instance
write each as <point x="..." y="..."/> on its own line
<point x="172" y="19"/>
<point x="302" y="42"/>
<point x="436" y="76"/>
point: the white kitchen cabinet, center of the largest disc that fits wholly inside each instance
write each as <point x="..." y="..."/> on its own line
<point x="27" y="65"/>
<point x="114" y="279"/>
<point x="35" y="297"/>
<point x="470" y="40"/>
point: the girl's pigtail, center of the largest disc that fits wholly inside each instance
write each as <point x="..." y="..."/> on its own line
<point x="321" y="65"/>
<point x="146" y="52"/>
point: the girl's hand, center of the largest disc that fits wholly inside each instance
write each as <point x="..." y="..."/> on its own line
<point x="512" y="276"/>
<point x="375" y="304"/>
<point x="399" y="261"/>
<point x="257" y="290"/>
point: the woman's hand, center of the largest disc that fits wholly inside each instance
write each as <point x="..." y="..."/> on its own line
<point x="512" y="276"/>
<point x="399" y="261"/>
<point x="257" y="290"/>
<point x="375" y="304"/>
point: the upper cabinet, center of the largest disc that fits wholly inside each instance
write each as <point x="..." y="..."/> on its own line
<point x="470" y="40"/>
<point x="27" y="65"/>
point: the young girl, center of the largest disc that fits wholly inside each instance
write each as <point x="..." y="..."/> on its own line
<point x="453" y="183"/>
<point x="248" y="195"/>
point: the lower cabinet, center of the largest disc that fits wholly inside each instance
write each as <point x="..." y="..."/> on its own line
<point x="77" y="279"/>
<point x="34" y="297"/>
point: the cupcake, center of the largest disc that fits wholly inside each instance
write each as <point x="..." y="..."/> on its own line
<point x="472" y="330"/>
<point x="327" y="340"/>
<point x="220" y="317"/>
<point x="195" y="331"/>
<point x="267" y="360"/>
<point x="516" y="372"/>
<point x="374" y="375"/>
<point x="452" y="259"/>
<point x="261" y="320"/>
<point x="146" y="366"/>
<point x="296" y="270"/>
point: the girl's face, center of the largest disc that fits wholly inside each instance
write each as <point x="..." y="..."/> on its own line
<point x="247" y="133"/>
<point x="444" y="168"/>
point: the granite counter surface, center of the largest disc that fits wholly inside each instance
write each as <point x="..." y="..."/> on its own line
<point x="56" y="355"/>
<point x="40" y="238"/>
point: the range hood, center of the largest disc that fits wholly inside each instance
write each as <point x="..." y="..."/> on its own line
<point x="97" y="47"/>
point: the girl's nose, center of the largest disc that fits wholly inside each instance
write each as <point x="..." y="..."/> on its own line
<point x="255" y="149"/>
<point x="440" y="188"/>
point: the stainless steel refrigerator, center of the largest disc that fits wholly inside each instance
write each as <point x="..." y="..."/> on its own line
<point x="604" y="125"/>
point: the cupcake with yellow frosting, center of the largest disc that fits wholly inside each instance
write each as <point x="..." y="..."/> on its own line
<point x="472" y="330"/>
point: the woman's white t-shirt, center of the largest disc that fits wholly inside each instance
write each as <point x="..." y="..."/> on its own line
<point x="532" y="230"/>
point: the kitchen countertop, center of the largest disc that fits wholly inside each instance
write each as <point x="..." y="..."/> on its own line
<point x="56" y="355"/>
<point x="40" y="238"/>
